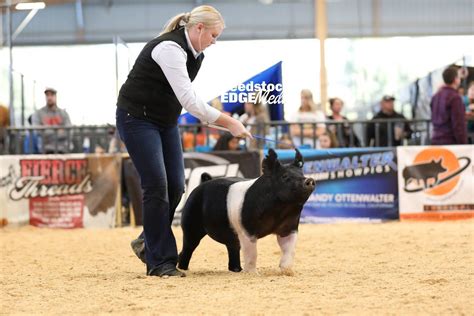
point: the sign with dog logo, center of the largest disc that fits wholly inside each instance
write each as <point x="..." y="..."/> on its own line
<point x="436" y="182"/>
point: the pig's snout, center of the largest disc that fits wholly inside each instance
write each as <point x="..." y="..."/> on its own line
<point x="309" y="183"/>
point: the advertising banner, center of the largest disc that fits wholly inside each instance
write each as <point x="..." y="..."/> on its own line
<point x="436" y="183"/>
<point x="351" y="185"/>
<point x="266" y="86"/>
<point x="59" y="191"/>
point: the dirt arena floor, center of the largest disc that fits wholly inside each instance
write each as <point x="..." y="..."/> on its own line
<point x="392" y="268"/>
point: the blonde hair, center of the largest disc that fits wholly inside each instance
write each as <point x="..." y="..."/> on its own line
<point x="258" y="108"/>
<point x="307" y="93"/>
<point x="204" y="14"/>
<point x="216" y="103"/>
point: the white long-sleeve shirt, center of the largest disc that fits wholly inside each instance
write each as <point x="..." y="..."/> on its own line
<point x="172" y="60"/>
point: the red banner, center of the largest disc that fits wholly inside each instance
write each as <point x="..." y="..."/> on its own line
<point x="59" y="191"/>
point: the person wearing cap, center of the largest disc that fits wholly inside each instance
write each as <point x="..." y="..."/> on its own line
<point x="398" y="129"/>
<point x="148" y="108"/>
<point x="52" y="115"/>
<point x="448" y="112"/>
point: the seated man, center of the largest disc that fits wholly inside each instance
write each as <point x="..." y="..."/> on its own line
<point x="51" y="115"/>
<point x="399" y="130"/>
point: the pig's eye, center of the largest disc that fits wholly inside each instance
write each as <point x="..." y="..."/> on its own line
<point x="284" y="177"/>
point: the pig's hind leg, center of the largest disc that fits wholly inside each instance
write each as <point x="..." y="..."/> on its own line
<point x="233" y="250"/>
<point x="287" y="245"/>
<point x="193" y="231"/>
<point x="191" y="240"/>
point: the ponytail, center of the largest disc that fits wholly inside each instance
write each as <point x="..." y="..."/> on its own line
<point x="204" y="14"/>
<point x="176" y="22"/>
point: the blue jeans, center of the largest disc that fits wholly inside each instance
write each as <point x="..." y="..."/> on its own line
<point x="157" y="155"/>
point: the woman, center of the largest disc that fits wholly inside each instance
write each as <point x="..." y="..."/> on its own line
<point x="227" y="142"/>
<point x="255" y="116"/>
<point x="148" y="107"/>
<point x="327" y="140"/>
<point x="342" y="131"/>
<point x="307" y="113"/>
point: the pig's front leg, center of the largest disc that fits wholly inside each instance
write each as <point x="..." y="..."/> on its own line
<point x="287" y="245"/>
<point x="249" y="248"/>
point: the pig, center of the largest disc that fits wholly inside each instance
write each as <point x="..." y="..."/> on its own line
<point x="424" y="171"/>
<point x="237" y="212"/>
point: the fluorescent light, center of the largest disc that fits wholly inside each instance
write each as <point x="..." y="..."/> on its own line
<point x="30" y="6"/>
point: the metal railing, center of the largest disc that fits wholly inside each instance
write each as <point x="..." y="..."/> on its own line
<point x="348" y="133"/>
<point x="78" y="139"/>
<point x="45" y="140"/>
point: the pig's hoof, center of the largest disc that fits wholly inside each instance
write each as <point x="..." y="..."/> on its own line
<point x="183" y="267"/>
<point x="287" y="271"/>
<point x="235" y="269"/>
<point x="251" y="271"/>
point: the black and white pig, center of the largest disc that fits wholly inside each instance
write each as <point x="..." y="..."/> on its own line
<point x="237" y="212"/>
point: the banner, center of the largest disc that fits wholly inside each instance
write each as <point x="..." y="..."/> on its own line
<point x="59" y="191"/>
<point x="351" y="184"/>
<point x="266" y="85"/>
<point x="436" y="182"/>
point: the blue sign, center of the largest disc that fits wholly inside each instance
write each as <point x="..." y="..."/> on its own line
<point x="351" y="184"/>
<point x="267" y="84"/>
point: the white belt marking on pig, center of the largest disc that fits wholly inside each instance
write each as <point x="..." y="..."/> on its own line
<point x="287" y="246"/>
<point x="235" y="201"/>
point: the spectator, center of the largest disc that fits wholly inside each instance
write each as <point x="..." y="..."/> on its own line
<point x="193" y="136"/>
<point x="470" y="111"/>
<point x="448" y="112"/>
<point x="256" y="116"/>
<point x="213" y="133"/>
<point x="32" y="141"/>
<point x="4" y="123"/>
<point x="115" y="144"/>
<point x="399" y="130"/>
<point x="462" y="93"/>
<point x="227" y="142"/>
<point x="327" y="140"/>
<point x="307" y="113"/>
<point x="285" y="142"/>
<point x="201" y="135"/>
<point x="131" y="190"/>
<point x="99" y="150"/>
<point x="217" y="104"/>
<point x="342" y="132"/>
<point x="470" y="97"/>
<point x="52" y="115"/>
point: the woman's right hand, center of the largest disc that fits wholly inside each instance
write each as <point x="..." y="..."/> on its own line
<point x="235" y="127"/>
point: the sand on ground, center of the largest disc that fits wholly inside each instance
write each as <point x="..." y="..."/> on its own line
<point x="391" y="268"/>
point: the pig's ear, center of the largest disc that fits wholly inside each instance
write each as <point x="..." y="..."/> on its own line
<point x="270" y="163"/>
<point x="205" y="177"/>
<point x="298" y="159"/>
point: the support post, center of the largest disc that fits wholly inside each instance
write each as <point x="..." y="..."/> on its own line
<point x="321" y="34"/>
